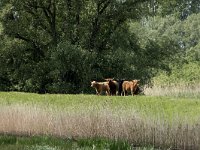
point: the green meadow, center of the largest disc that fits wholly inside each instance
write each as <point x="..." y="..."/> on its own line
<point x="98" y="122"/>
<point x="155" y="106"/>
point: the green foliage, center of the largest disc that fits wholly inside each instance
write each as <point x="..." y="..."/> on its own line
<point x="60" y="46"/>
<point x="184" y="64"/>
<point x="158" y="48"/>
<point x="193" y="54"/>
<point x="35" y="57"/>
<point x="187" y="74"/>
<point x="70" y="69"/>
<point x="173" y="47"/>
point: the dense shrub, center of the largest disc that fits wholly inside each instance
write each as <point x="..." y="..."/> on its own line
<point x="188" y="73"/>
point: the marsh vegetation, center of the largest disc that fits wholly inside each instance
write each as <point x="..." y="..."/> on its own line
<point x="142" y="121"/>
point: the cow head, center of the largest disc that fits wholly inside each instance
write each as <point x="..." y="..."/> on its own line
<point x="136" y="81"/>
<point x="93" y="83"/>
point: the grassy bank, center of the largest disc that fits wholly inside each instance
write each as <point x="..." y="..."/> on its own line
<point x="53" y="143"/>
<point x="140" y="120"/>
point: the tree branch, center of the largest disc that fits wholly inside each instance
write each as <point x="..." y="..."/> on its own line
<point x="104" y="7"/>
<point x="96" y="24"/>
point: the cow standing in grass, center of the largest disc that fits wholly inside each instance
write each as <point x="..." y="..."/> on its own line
<point x="113" y="85"/>
<point x="100" y="87"/>
<point x="130" y="86"/>
<point x="120" y="90"/>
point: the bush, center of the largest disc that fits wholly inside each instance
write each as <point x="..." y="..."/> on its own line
<point x="71" y="69"/>
<point x="188" y="73"/>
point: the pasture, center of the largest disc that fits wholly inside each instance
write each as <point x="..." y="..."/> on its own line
<point x="140" y="121"/>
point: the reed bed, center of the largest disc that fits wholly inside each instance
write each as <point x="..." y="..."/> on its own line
<point x="180" y="90"/>
<point x="100" y="122"/>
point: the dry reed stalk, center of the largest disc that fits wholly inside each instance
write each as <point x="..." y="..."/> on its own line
<point x="173" y="90"/>
<point x="102" y="122"/>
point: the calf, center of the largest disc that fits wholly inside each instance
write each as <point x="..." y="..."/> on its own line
<point x="130" y="86"/>
<point x="100" y="87"/>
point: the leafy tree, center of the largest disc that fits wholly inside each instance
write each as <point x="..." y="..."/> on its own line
<point x="36" y="33"/>
<point x="159" y="48"/>
<point x="182" y="8"/>
<point x="60" y="46"/>
<point x="177" y="42"/>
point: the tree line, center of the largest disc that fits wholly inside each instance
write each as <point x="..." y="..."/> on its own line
<point x="59" y="46"/>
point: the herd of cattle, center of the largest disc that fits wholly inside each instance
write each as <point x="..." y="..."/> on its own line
<point x="117" y="87"/>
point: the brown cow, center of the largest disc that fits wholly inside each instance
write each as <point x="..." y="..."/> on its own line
<point x="100" y="87"/>
<point x="130" y="86"/>
<point x="113" y="85"/>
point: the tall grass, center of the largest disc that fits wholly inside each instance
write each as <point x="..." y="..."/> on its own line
<point x="102" y="119"/>
<point x="179" y="90"/>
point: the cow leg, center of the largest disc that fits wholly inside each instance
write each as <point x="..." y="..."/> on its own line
<point x="132" y="92"/>
<point x="115" y="93"/>
<point x="107" y="93"/>
<point x="98" y="92"/>
<point x="124" y="92"/>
